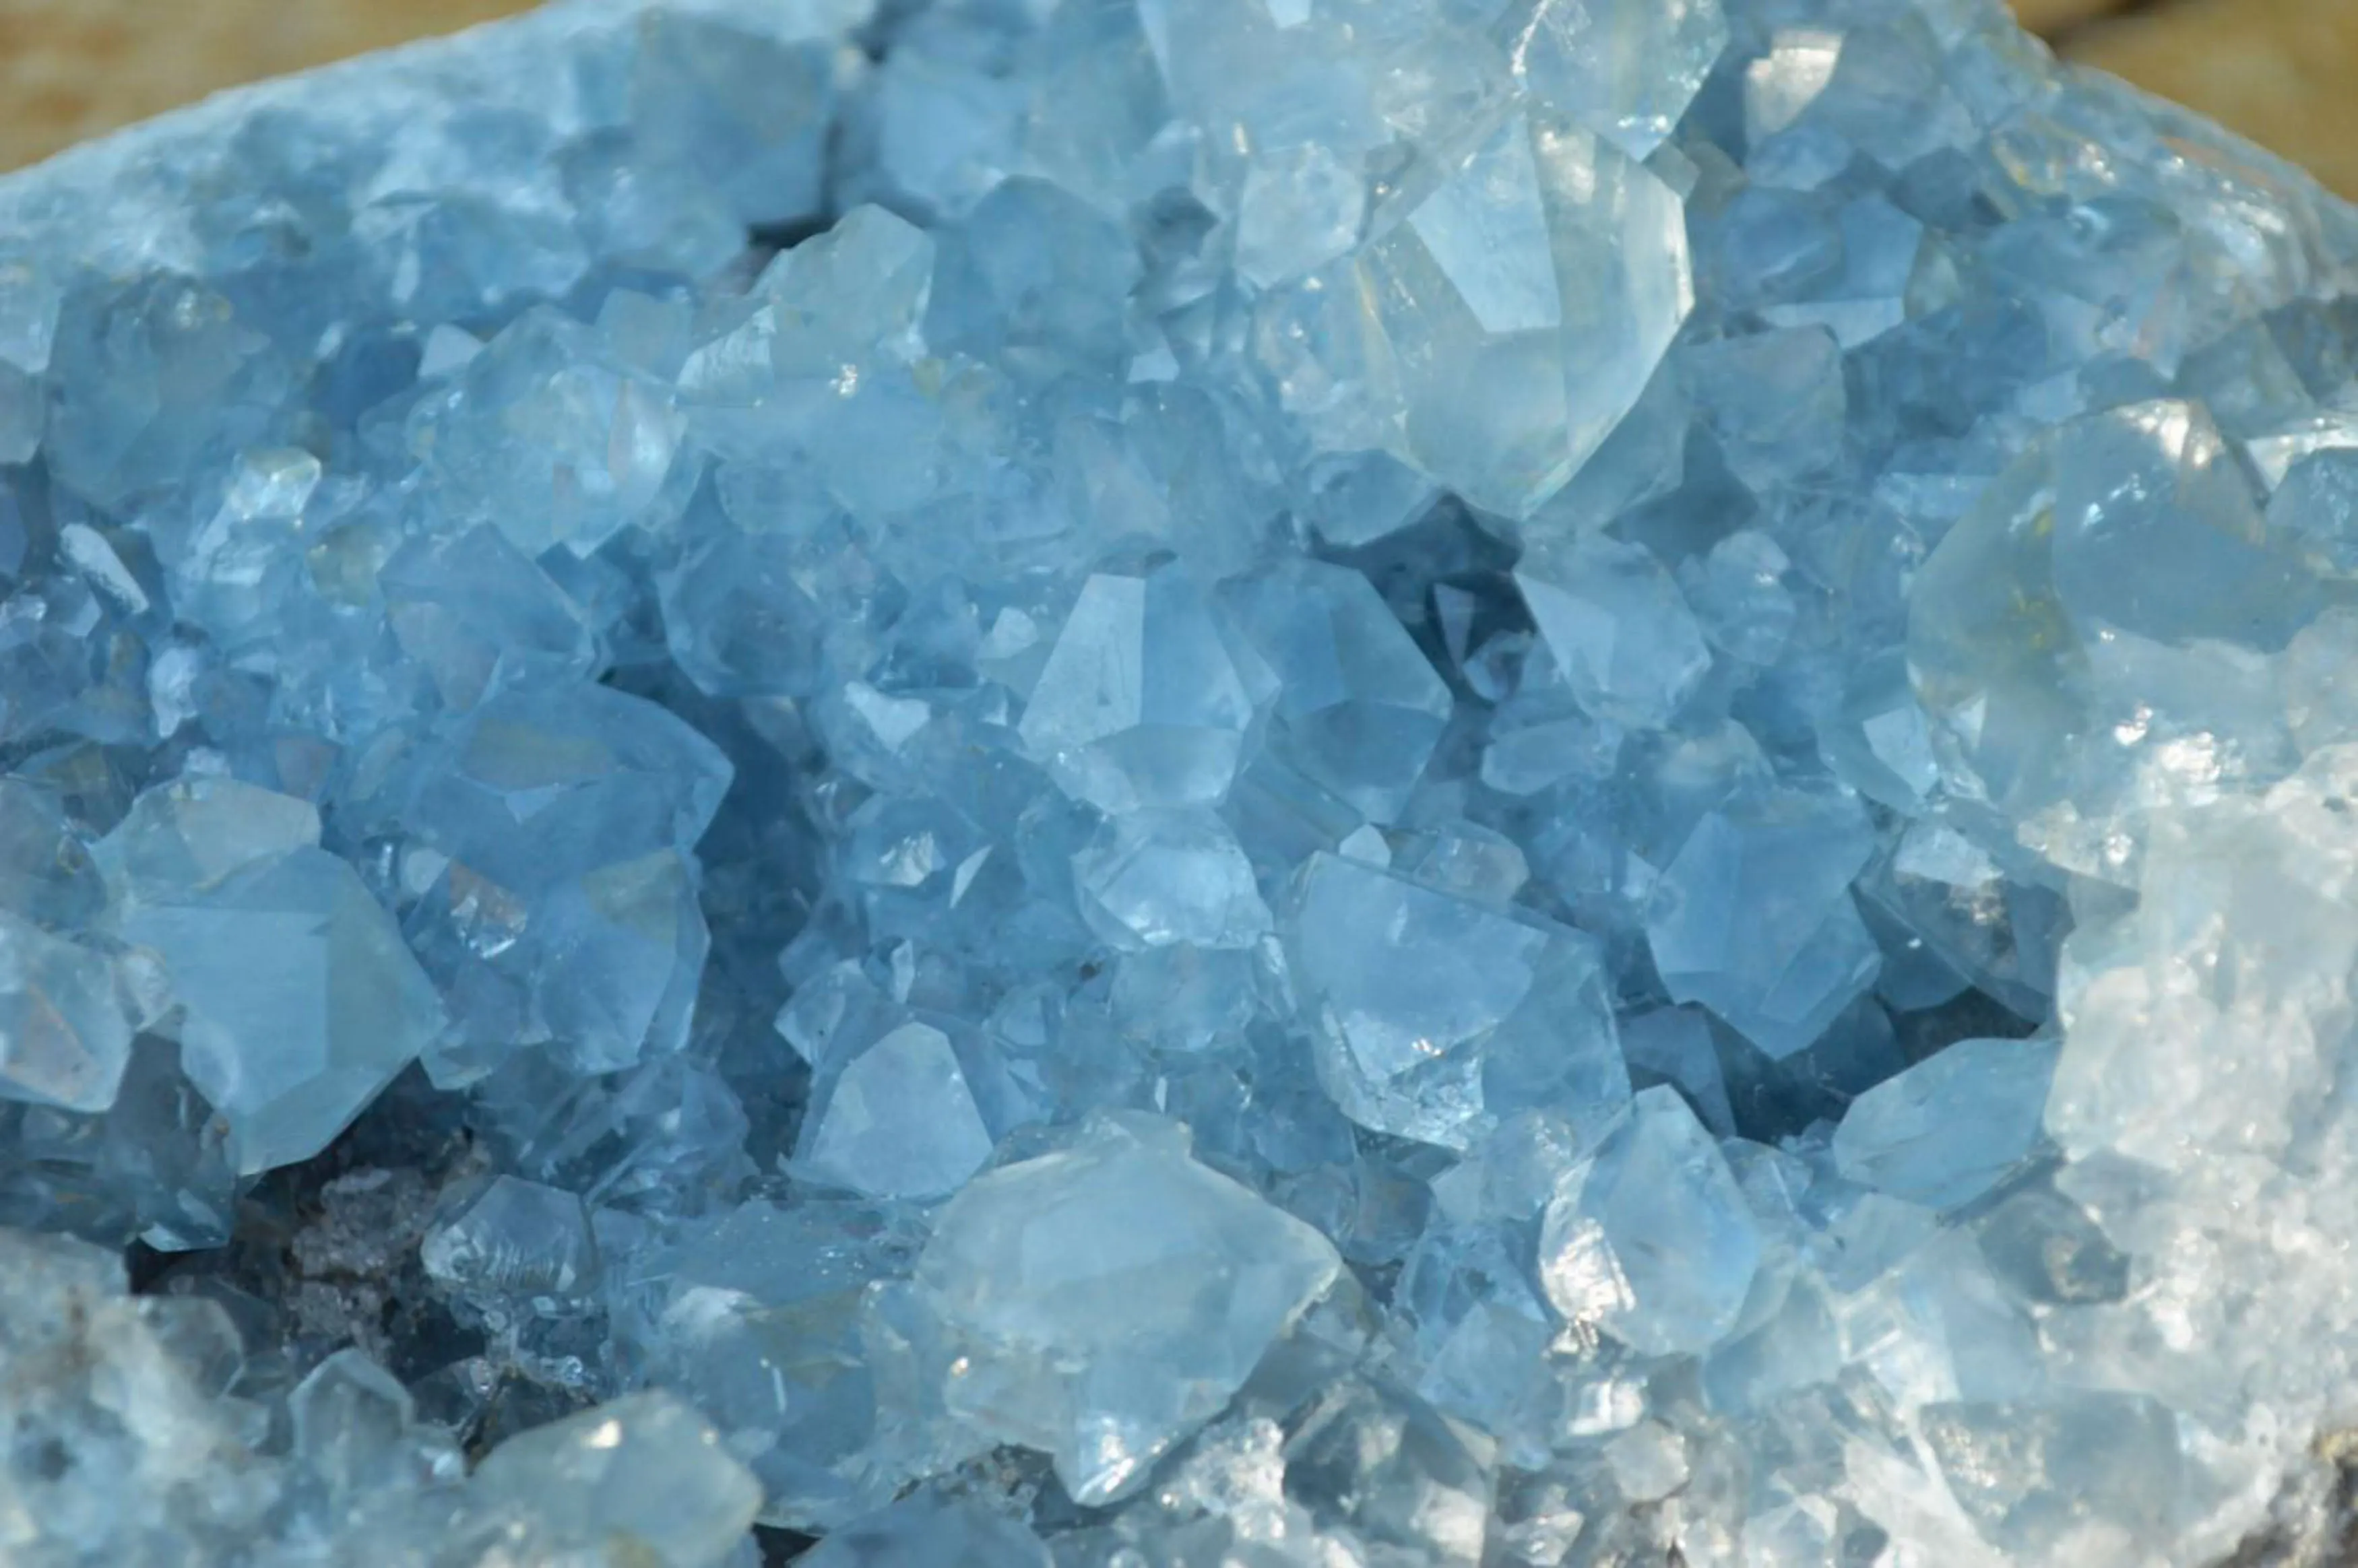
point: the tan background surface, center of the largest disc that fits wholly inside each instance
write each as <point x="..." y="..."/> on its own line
<point x="2277" y="69"/>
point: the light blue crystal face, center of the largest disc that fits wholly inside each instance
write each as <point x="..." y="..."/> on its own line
<point x="898" y="1121"/>
<point x="1156" y="878"/>
<point x="1626" y="68"/>
<point x="644" y="1473"/>
<point x="1111" y="1297"/>
<point x="553" y="834"/>
<point x="1755" y="920"/>
<point x="1431" y="1016"/>
<point x="758" y="1318"/>
<point x="548" y="439"/>
<point x="1650" y="1240"/>
<point x="517" y="1237"/>
<point x="931" y="1530"/>
<point x="1359" y="711"/>
<point x="1494" y="330"/>
<point x="64" y="1018"/>
<point x="296" y="1000"/>
<point x="1948" y="1130"/>
<point x="1141" y="701"/>
<point x="1619" y="630"/>
<point x="299" y="1000"/>
<point x="1294" y="755"/>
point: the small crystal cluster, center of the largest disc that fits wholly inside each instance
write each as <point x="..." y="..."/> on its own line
<point x="1158" y="783"/>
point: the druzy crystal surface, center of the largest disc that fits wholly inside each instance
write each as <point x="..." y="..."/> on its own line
<point x="1154" y="783"/>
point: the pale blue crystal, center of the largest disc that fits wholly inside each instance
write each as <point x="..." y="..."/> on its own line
<point x="644" y="1473"/>
<point x="1649" y="1240"/>
<point x="1358" y="708"/>
<point x="924" y="1529"/>
<point x="1754" y="918"/>
<point x="472" y="610"/>
<point x="1534" y="621"/>
<point x="298" y="1001"/>
<point x="1400" y="1476"/>
<point x="553" y="439"/>
<point x="1156" y="878"/>
<point x="1142" y="701"/>
<point x="1433" y="1016"/>
<point x="758" y="1318"/>
<point x="516" y="1238"/>
<point x="1494" y="337"/>
<point x="65" y="1030"/>
<point x="898" y="1121"/>
<point x="1620" y="631"/>
<point x="1948" y="1130"/>
<point x="1114" y="1297"/>
<point x="1674" y="1046"/>
<point x="1627" y="68"/>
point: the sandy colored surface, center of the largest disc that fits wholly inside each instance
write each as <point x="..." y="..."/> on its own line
<point x="2281" y="71"/>
<point x="71" y="69"/>
<point x="2277" y="69"/>
<point x="2054" y="16"/>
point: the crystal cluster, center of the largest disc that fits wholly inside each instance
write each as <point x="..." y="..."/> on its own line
<point x="1154" y="783"/>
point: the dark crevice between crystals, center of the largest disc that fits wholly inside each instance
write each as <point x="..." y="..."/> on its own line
<point x="767" y="239"/>
<point x="779" y="1547"/>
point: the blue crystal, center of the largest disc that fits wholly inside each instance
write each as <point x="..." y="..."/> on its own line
<point x="1434" y="1016"/>
<point x="1946" y="1131"/>
<point x="1651" y="1239"/>
<point x="1754" y="918"/>
<point x="1141" y="701"/>
<point x="898" y="1119"/>
<point x="1619" y="630"/>
<point x="931" y="1530"/>
<point x="1042" y="1270"/>
<point x="1150" y="784"/>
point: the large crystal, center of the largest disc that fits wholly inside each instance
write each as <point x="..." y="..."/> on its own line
<point x="1434" y="1016"/>
<point x="296" y="1000"/>
<point x="1111" y="1297"/>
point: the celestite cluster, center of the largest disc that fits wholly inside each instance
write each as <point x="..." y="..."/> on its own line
<point x="1179" y="783"/>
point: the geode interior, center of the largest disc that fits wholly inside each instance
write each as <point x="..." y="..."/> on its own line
<point x="1159" y="784"/>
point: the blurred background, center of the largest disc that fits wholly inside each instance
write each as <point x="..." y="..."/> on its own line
<point x="2279" y="70"/>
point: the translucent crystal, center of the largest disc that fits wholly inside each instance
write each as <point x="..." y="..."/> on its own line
<point x="1141" y="701"/>
<point x="1947" y="1130"/>
<point x="298" y="1001"/>
<point x="1251" y="782"/>
<point x="1434" y="1016"/>
<point x="1650" y="1238"/>
<point x="1359" y="711"/>
<point x="1626" y="69"/>
<point x="518" y="1237"/>
<point x="1623" y="636"/>
<point x="644" y="1471"/>
<point x="1755" y="920"/>
<point x="65" y="1031"/>
<point x="553" y="442"/>
<point x="1155" y="878"/>
<point x="898" y="1119"/>
<point x="1114" y="1297"/>
<point x="930" y="1529"/>
<point x="1495" y="335"/>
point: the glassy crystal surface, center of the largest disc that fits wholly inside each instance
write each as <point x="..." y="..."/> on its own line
<point x="1110" y="1298"/>
<point x="1507" y="783"/>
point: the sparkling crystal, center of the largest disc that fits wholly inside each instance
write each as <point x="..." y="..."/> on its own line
<point x="1651" y="1239"/>
<point x="1113" y="1295"/>
<point x="1265" y="780"/>
<point x="1435" y="1016"/>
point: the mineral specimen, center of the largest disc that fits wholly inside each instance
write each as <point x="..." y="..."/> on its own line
<point x="1153" y="782"/>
